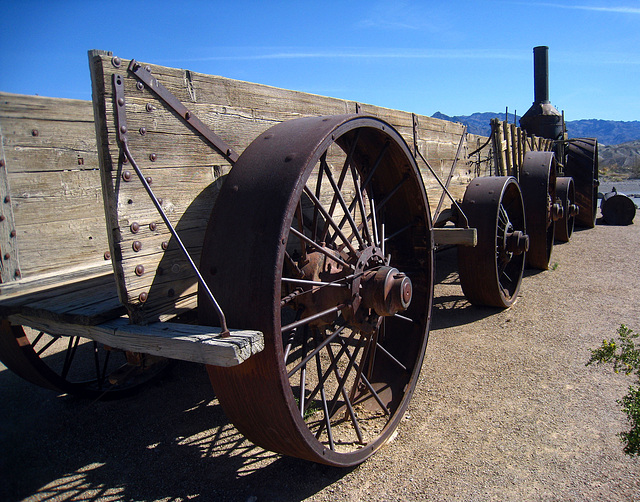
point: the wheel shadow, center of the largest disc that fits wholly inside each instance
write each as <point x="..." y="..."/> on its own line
<point x="450" y="306"/>
<point x="171" y="442"/>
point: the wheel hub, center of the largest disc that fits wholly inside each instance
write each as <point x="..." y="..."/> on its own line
<point x="386" y="290"/>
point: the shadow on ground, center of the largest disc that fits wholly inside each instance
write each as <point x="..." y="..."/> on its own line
<point x="171" y="441"/>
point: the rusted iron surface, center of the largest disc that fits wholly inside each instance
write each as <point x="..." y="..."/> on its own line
<point x="617" y="208"/>
<point x="538" y="184"/>
<point x="491" y="272"/>
<point x="566" y="193"/>
<point x="582" y="165"/>
<point x="324" y="288"/>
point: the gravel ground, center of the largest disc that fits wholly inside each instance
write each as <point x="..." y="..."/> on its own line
<point x="505" y="410"/>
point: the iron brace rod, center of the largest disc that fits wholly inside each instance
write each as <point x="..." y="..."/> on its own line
<point x="144" y="75"/>
<point x="453" y="168"/>
<point x="460" y="212"/>
<point x="122" y="136"/>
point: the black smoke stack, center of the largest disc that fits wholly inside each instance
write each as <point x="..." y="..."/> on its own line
<point x="541" y="74"/>
<point x="542" y="119"/>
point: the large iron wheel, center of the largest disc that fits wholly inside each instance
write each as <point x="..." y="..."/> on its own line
<point x="582" y="166"/>
<point x="566" y="193"/>
<point x="538" y="184"/>
<point x="75" y="365"/>
<point x="491" y="272"/>
<point x="321" y="239"/>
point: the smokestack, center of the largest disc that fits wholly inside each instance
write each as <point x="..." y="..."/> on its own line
<point x="541" y="74"/>
<point x="542" y="119"/>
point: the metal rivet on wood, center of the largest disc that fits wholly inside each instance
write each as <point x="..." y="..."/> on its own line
<point x="135" y="227"/>
<point x="136" y="246"/>
<point x="143" y="297"/>
<point x="139" y="270"/>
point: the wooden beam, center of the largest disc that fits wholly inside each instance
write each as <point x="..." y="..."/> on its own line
<point x="200" y="344"/>
<point x="461" y="236"/>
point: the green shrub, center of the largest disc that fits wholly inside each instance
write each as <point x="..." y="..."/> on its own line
<point x="622" y="353"/>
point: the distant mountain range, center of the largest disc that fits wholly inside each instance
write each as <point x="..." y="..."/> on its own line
<point x="608" y="132"/>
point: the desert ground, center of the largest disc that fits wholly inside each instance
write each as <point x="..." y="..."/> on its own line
<point x="505" y="409"/>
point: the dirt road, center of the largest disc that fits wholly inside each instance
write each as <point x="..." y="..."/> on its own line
<point x="505" y="409"/>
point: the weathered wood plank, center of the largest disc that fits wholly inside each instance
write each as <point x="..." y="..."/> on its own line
<point x="171" y="340"/>
<point x="86" y="301"/>
<point x="55" y="193"/>
<point x="461" y="236"/>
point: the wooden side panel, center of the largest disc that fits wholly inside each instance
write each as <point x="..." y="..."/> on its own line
<point x="185" y="170"/>
<point x="51" y="175"/>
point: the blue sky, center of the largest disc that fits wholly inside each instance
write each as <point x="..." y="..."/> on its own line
<point x="456" y="57"/>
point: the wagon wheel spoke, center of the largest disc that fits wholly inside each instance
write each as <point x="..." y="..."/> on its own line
<point x="336" y="275"/>
<point x="75" y="365"/>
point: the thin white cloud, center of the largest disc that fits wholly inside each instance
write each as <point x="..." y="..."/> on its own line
<point x="366" y="54"/>
<point x="616" y="10"/>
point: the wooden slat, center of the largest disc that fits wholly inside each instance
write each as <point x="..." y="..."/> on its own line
<point x="462" y="236"/>
<point x="52" y="169"/>
<point x="86" y="302"/>
<point x="186" y="342"/>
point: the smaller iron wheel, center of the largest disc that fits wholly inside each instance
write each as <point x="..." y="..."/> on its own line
<point x="491" y="272"/>
<point x="566" y="193"/>
<point x="538" y="184"/>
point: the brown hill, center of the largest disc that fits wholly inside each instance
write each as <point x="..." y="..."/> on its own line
<point x="620" y="160"/>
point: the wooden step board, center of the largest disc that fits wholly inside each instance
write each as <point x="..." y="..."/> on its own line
<point x="201" y="344"/>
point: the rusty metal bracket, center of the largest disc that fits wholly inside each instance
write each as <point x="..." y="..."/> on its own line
<point x="144" y="75"/>
<point x="121" y="124"/>
<point x="414" y="121"/>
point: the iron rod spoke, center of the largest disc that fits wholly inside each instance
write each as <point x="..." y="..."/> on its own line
<point x="403" y="229"/>
<point x="390" y="356"/>
<point x="319" y="248"/>
<point x="327" y="418"/>
<point x="343" y="174"/>
<point x="374" y="223"/>
<point x="345" y="396"/>
<point x="324" y="377"/>
<point x="303" y="377"/>
<point x="367" y="384"/>
<point x="392" y="192"/>
<point x="69" y="355"/>
<point x="329" y="220"/>
<point x="323" y="160"/>
<point x="37" y="339"/>
<point x="360" y="200"/>
<point x="307" y="320"/>
<point x="314" y="283"/>
<point x="347" y="212"/>
<point x="308" y="357"/>
<point x="49" y="344"/>
<point x="398" y="316"/>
